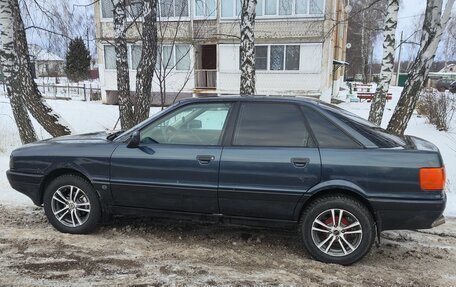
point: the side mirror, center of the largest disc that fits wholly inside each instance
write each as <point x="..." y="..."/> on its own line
<point x="134" y="140"/>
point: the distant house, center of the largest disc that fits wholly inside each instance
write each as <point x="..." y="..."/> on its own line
<point x="450" y="68"/>
<point x="300" y="47"/>
<point x="45" y="63"/>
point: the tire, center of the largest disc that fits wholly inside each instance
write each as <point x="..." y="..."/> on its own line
<point x="317" y="237"/>
<point x="71" y="205"/>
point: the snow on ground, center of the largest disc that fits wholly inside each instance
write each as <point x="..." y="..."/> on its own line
<point x="94" y="116"/>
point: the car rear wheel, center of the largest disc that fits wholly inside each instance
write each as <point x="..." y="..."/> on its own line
<point x="71" y="205"/>
<point x="337" y="229"/>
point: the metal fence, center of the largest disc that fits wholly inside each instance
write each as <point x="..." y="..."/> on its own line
<point x="84" y="92"/>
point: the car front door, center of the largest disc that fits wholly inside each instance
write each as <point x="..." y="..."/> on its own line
<point x="176" y="165"/>
<point x="271" y="162"/>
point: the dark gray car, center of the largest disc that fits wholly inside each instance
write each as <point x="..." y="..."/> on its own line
<point x="271" y="161"/>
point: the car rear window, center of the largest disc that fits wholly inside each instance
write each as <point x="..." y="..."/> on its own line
<point x="326" y="133"/>
<point x="379" y="136"/>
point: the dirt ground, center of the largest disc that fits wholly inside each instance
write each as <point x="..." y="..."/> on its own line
<point x="158" y="252"/>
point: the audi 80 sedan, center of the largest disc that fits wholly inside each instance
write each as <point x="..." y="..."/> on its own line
<point x="272" y="161"/>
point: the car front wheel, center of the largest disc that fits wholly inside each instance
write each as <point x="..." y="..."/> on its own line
<point x="337" y="229"/>
<point x="71" y="205"/>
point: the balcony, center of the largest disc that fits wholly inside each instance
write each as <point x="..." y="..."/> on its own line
<point x="206" y="79"/>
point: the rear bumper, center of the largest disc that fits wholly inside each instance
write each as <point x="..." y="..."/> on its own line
<point x="409" y="214"/>
<point x="28" y="184"/>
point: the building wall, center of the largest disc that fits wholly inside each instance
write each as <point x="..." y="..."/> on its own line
<point x="314" y="35"/>
<point x="305" y="81"/>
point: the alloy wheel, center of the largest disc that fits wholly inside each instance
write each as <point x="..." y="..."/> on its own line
<point x="70" y="206"/>
<point x="336" y="232"/>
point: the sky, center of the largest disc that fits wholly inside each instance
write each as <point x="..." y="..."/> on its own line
<point x="409" y="15"/>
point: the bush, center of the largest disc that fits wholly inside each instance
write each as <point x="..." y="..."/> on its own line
<point x="437" y="107"/>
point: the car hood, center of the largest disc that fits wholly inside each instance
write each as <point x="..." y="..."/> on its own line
<point x="81" y="138"/>
<point x="92" y="138"/>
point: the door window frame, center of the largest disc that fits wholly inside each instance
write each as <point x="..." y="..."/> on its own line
<point x="186" y="105"/>
<point x="228" y="141"/>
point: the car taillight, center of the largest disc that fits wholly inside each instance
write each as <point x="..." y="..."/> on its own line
<point x="432" y="178"/>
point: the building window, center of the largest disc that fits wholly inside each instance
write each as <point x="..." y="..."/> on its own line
<point x="292" y="57"/>
<point x="107" y="9"/>
<point x="261" y="57"/>
<point x="135" y="56"/>
<point x="182" y="57"/>
<point x="134" y="8"/>
<point x="231" y="8"/>
<point x="277" y="57"/>
<point x="109" y="57"/>
<point x="295" y="8"/>
<point x="173" y="8"/>
<point x="316" y="7"/>
<point x="177" y="56"/>
<point x="205" y="8"/>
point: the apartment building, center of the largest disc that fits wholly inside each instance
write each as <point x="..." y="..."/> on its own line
<point x="300" y="47"/>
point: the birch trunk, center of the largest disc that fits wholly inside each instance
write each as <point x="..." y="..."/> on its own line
<point x="24" y="124"/>
<point x="126" y="113"/>
<point x="18" y="75"/>
<point x="146" y="67"/>
<point x="433" y="27"/>
<point x="248" y="47"/>
<point x="363" y="48"/>
<point x="386" y="73"/>
<point x="7" y="58"/>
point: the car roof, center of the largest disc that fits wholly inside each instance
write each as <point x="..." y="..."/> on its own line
<point x="236" y="98"/>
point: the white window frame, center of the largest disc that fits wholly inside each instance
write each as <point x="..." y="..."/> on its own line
<point x="104" y="58"/>
<point x="234" y="10"/>
<point x="277" y="15"/>
<point x="284" y="70"/>
<point x="217" y="4"/>
<point x="110" y="19"/>
<point x="129" y="56"/>
<point x="174" y="18"/>
<point x="173" y="53"/>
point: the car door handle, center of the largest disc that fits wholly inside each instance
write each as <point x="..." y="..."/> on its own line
<point x="300" y="161"/>
<point x="205" y="159"/>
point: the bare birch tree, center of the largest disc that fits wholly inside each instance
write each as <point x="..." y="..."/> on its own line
<point x="9" y="66"/>
<point x="19" y="80"/>
<point x="247" y="27"/>
<point x="146" y="66"/>
<point x="386" y="73"/>
<point x="434" y="24"/>
<point x="126" y="113"/>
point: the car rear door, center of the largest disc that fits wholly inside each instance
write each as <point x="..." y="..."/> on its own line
<point x="176" y="165"/>
<point x="269" y="164"/>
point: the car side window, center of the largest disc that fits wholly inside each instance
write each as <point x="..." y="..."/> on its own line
<point x="271" y="124"/>
<point x="196" y="124"/>
<point x="327" y="134"/>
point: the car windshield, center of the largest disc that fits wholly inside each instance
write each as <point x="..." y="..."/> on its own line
<point x="379" y="136"/>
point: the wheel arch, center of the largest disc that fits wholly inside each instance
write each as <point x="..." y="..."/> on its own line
<point x="337" y="187"/>
<point x="48" y="178"/>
